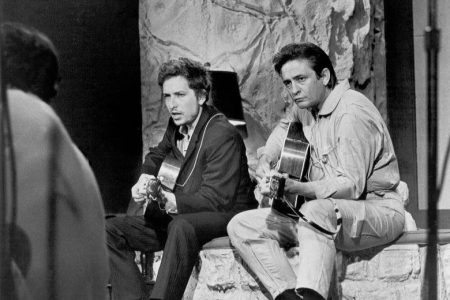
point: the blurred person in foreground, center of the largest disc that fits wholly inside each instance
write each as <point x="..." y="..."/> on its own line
<point x="58" y="241"/>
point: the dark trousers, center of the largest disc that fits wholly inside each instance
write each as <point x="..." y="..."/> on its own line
<point x="181" y="241"/>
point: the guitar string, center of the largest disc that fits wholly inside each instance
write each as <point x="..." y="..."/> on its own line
<point x="199" y="148"/>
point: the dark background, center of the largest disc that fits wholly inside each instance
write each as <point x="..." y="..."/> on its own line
<point x="99" y="98"/>
<point x="399" y="36"/>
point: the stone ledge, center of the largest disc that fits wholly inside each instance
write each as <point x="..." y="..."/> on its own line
<point x="420" y="237"/>
<point x="391" y="272"/>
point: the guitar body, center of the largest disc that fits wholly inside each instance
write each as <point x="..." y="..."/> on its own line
<point x="155" y="214"/>
<point x="168" y="173"/>
<point x="294" y="160"/>
<point x="294" y="156"/>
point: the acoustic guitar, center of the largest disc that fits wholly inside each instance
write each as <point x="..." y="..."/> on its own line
<point x="294" y="160"/>
<point x="155" y="212"/>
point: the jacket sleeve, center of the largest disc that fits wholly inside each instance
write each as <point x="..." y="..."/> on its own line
<point x="156" y="155"/>
<point x="220" y="177"/>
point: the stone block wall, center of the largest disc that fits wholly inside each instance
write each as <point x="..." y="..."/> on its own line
<point x="392" y="273"/>
<point x="243" y="35"/>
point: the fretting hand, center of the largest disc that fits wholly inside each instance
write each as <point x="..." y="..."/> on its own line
<point x="263" y="178"/>
<point x="139" y="190"/>
<point x="263" y="169"/>
<point x="170" y="202"/>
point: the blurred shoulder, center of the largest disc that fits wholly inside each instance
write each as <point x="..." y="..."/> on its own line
<point x="30" y="108"/>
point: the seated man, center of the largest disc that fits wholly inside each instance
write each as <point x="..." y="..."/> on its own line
<point x="57" y="236"/>
<point x="212" y="186"/>
<point x="352" y="179"/>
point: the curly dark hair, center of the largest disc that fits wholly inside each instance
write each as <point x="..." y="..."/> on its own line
<point x="317" y="58"/>
<point x="195" y="73"/>
<point x="30" y="60"/>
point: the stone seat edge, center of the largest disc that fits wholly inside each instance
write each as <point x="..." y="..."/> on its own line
<point x="408" y="237"/>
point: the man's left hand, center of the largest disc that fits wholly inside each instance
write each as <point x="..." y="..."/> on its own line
<point x="171" y="203"/>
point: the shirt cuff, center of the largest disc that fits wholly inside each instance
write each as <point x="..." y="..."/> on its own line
<point x="323" y="189"/>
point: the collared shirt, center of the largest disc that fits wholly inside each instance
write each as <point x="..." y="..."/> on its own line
<point x="352" y="156"/>
<point x="187" y="132"/>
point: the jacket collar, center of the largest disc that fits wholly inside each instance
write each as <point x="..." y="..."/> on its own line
<point x="334" y="97"/>
<point x="207" y="113"/>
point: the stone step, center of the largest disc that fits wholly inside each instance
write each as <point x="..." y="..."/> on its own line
<point x="391" y="272"/>
<point x="408" y="237"/>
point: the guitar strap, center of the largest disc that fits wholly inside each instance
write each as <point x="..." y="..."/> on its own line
<point x="198" y="151"/>
<point x="317" y="226"/>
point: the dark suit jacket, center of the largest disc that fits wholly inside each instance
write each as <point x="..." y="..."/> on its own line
<point x="214" y="174"/>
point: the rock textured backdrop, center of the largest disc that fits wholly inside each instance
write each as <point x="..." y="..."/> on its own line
<point x="243" y="35"/>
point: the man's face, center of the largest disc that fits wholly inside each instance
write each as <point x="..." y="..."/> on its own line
<point x="181" y="101"/>
<point x="305" y="88"/>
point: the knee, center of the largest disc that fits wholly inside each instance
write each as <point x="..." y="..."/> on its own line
<point x="114" y="236"/>
<point x="182" y="236"/>
<point x="233" y="227"/>
<point x="243" y="226"/>
<point x="180" y="227"/>
<point x="111" y="226"/>
<point x="318" y="209"/>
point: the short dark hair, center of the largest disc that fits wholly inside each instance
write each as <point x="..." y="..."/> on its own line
<point x="196" y="75"/>
<point x="30" y="60"/>
<point x="317" y="58"/>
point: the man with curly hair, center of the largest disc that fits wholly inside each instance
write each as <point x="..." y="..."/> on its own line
<point x="212" y="186"/>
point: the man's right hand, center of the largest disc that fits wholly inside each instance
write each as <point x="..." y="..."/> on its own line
<point x="139" y="190"/>
<point x="263" y="169"/>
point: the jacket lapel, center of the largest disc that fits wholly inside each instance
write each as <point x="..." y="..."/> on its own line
<point x="174" y="137"/>
<point x="205" y="116"/>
